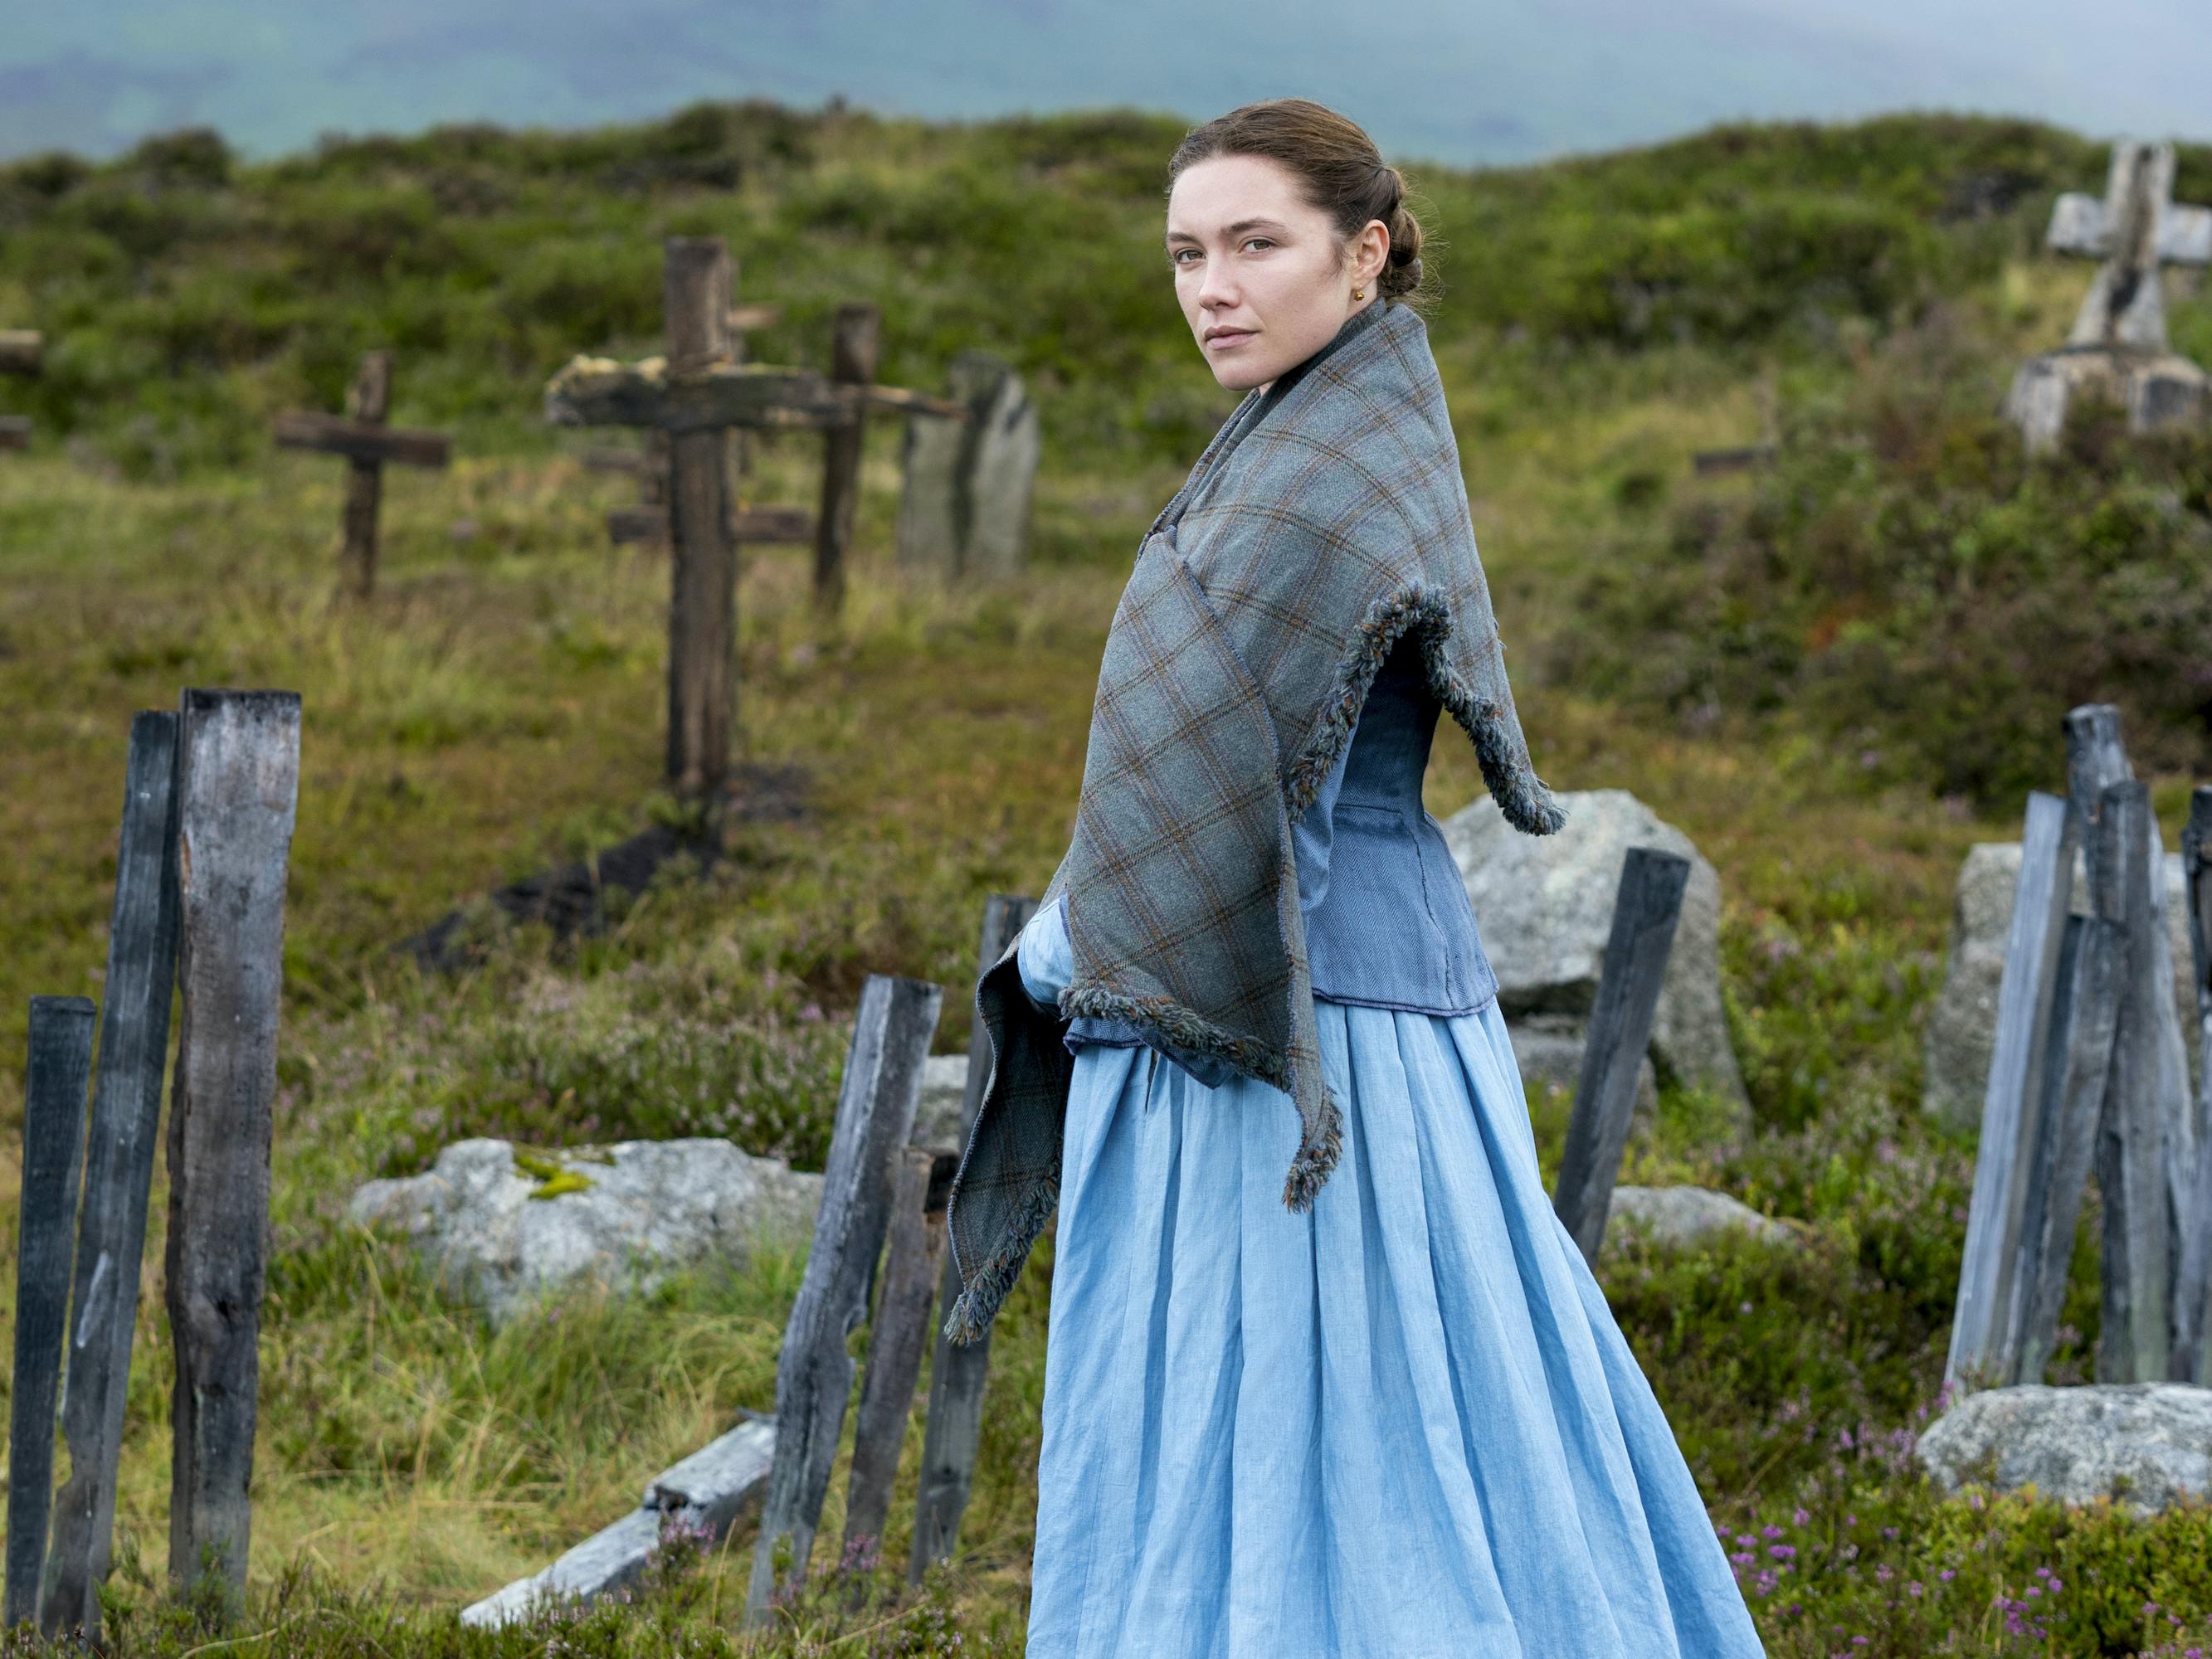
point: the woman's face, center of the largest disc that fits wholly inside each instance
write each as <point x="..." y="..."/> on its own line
<point x="1260" y="270"/>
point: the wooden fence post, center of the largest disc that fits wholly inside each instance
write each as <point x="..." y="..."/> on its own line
<point x="239" y="787"/>
<point x="2192" y="1282"/>
<point x="2134" y="1341"/>
<point x="854" y="341"/>
<point x="958" y="1370"/>
<point x="1645" y="908"/>
<point x="897" y="1337"/>
<point x="58" y="1067"/>
<point x="2006" y="1155"/>
<point x="814" y="1373"/>
<point x="111" y="1239"/>
<point x="702" y="625"/>
<point x="2077" y="1056"/>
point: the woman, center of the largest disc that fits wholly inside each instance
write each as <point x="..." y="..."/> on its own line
<point x="1382" y="1408"/>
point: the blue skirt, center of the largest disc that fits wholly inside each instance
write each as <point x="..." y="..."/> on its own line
<point x="1403" y="1423"/>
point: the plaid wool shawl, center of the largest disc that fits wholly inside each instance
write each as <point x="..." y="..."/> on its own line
<point x="1326" y="519"/>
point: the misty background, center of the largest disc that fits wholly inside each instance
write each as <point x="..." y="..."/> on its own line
<point x="1502" y="81"/>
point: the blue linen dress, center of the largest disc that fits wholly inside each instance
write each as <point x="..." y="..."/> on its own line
<point x="1403" y="1423"/>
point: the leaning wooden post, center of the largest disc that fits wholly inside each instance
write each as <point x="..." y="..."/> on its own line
<point x="118" y="1171"/>
<point x="897" y="1337"/>
<point x="239" y="784"/>
<point x="2192" y="1278"/>
<point x="2077" y="1051"/>
<point x="59" y="1065"/>
<point x="2135" y="1338"/>
<point x="703" y="617"/>
<point x="1647" y="906"/>
<point x="958" y="1370"/>
<point x="814" y="1373"/>
<point x="2006" y="1157"/>
<point x="853" y="344"/>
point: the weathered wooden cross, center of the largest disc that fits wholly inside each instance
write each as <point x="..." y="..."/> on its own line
<point x="695" y="393"/>
<point x="364" y="440"/>
<point x="648" y="522"/>
<point x="2118" y="341"/>
<point x="20" y="354"/>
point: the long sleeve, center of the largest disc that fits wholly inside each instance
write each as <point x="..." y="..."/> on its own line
<point x="1045" y="958"/>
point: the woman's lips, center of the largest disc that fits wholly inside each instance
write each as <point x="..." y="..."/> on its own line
<point x="1237" y="337"/>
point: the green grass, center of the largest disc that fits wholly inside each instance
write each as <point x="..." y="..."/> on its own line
<point x="496" y="709"/>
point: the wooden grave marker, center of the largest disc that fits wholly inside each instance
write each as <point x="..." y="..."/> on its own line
<point x="118" y="1171"/>
<point x="238" y="786"/>
<point x="21" y="352"/>
<point x="1646" y="907"/>
<point x="876" y="1106"/>
<point x="2192" y="1275"/>
<point x="55" y="1075"/>
<point x="646" y="523"/>
<point x="2087" y="1071"/>
<point x="957" y="1371"/>
<point x="695" y="393"/>
<point x="2007" y="1159"/>
<point x="362" y="437"/>
<point x="2117" y="347"/>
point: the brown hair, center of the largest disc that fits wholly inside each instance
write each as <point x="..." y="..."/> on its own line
<point x="1338" y="168"/>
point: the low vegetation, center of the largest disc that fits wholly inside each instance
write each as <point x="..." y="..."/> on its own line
<point x="1835" y="676"/>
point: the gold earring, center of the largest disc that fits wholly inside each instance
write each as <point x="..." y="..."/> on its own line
<point x="1359" y="293"/>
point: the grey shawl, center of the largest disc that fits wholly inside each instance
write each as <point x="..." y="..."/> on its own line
<point x="1325" y="520"/>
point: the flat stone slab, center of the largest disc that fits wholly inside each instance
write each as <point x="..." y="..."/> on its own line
<point x="706" y="1492"/>
<point x="503" y="1235"/>
<point x="1679" y="1217"/>
<point x="2145" y="1444"/>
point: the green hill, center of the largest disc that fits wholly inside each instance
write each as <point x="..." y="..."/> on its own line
<point x="1835" y="675"/>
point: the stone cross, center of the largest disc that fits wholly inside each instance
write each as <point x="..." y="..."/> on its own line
<point x="695" y="393"/>
<point x="367" y="443"/>
<point x="20" y="354"/>
<point x="2119" y="342"/>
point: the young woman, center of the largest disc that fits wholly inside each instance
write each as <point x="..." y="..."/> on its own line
<point x="1325" y="1375"/>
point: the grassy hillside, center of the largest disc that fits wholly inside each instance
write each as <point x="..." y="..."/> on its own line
<point x="1834" y="676"/>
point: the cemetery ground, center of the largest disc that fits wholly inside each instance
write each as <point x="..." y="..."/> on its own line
<point x="495" y="708"/>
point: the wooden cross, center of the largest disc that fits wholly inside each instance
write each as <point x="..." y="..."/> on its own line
<point x="648" y="522"/>
<point x="364" y="440"/>
<point x="2135" y="230"/>
<point x="695" y="393"/>
<point x="20" y="354"/>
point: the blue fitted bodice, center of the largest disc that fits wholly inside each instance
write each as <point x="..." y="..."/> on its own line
<point x="1388" y="922"/>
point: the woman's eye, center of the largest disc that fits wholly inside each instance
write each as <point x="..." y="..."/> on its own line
<point x="1269" y="241"/>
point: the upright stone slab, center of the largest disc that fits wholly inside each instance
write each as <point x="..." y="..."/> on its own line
<point x="965" y="504"/>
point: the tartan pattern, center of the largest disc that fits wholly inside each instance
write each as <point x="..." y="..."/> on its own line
<point x="1326" y="519"/>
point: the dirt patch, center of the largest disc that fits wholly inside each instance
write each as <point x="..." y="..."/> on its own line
<point x="572" y="899"/>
